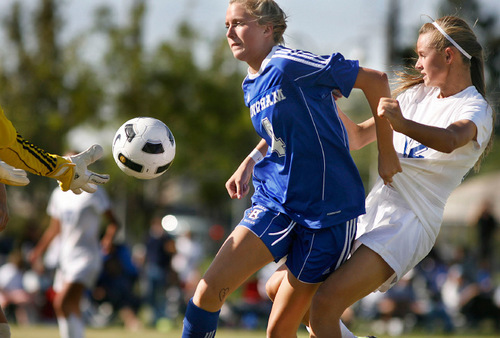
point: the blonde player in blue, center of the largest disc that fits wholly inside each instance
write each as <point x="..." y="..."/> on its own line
<point x="308" y="193"/>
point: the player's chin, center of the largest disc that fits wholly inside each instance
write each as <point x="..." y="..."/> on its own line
<point x="238" y="53"/>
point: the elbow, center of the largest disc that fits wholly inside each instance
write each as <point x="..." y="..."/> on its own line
<point x="383" y="77"/>
<point x="380" y="77"/>
<point x="450" y="146"/>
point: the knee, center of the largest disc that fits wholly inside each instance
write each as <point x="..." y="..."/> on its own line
<point x="209" y="297"/>
<point x="327" y="305"/>
<point x="272" y="286"/>
<point x="280" y="330"/>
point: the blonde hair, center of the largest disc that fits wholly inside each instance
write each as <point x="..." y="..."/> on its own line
<point x="463" y="35"/>
<point x="267" y="12"/>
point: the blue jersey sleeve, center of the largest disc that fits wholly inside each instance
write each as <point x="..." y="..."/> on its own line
<point x="310" y="70"/>
<point x="338" y="73"/>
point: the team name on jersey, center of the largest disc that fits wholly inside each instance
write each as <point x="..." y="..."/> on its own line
<point x="266" y="101"/>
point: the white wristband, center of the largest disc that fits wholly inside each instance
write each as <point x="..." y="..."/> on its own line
<point x="256" y="155"/>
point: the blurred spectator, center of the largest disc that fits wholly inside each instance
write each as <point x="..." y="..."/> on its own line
<point x="160" y="248"/>
<point x="432" y="272"/>
<point x="12" y="291"/>
<point x="486" y="225"/>
<point x="400" y="309"/>
<point x="186" y="262"/>
<point x="115" y="286"/>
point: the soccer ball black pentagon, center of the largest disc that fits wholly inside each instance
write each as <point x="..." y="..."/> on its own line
<point x="144" y="147"/>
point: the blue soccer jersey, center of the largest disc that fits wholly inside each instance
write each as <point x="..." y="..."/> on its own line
<point x="308" y="172"/>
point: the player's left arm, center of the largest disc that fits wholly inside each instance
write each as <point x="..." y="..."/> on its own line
<point x="359" y="134"/>
<point x="445" y="140"/>
<point x="375" y="86"/>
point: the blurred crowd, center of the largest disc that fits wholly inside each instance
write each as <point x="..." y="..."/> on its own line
<point x="144" y="284"/>
<point x="149" y="283"/>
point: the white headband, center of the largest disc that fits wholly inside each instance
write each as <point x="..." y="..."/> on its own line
<point x="467" y="55"/>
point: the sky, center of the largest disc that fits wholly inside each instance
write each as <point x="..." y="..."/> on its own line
<point x="354" y="27"/>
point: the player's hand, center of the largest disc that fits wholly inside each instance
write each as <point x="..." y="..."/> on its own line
<point x="12" y="176"/>
<point x="388" y="166"/>
<point x="337" y="94"/>
<point x="84" y="179"/>
<point x="237" y="185"/>
<point x="389" y="109"/>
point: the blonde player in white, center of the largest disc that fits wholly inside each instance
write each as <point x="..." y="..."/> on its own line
<point x="443" y="126"/>
<point x="76" y="219"/>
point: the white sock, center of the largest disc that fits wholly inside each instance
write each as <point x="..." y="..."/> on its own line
<point x="71" y="327"/>
<point x="63" y="327"/>
<point x="4" y="330"/>
<point x="343" y="330"/>
<point x="76" y="327"/>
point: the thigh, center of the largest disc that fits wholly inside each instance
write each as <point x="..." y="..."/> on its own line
<point x="359" y="276"/>
<point x="291" y="303"/>
<point x="241" y="255"/>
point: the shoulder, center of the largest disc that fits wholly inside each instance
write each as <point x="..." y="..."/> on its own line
<point x="290" y="56"/>
<point x="474" y="106"/>
<point x="417" y="93"/>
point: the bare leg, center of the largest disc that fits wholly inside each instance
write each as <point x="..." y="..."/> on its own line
<point x="4" y="325"/>
<point x="240" y="257"/>
<point x="3" y="319"/>
<point x="290" y="306"/>
<point x="67" y="301"/>
<point x="360" y="275"/>
<point x="273" y="285"/>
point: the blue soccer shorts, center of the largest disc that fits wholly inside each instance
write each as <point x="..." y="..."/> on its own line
<point x="312" y="254"/>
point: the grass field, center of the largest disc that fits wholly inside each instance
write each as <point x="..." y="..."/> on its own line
<point x="114" y="332"/>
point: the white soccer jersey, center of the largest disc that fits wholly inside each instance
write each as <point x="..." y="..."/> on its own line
<point x="80" y="217"/>
<point x="402" y="222"/>
<point x="429" y="176"/>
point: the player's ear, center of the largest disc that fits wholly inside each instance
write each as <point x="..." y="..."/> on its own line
<point x="268" y="31"/>
<point x="449" y="54"/>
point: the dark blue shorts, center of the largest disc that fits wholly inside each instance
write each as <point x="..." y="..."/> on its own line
<point x="312" y="254"/>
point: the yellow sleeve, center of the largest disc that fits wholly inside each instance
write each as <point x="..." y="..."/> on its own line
<point x="7" y="131"/>
<point x="21" y="154"/>
<point x="25" y="155"/>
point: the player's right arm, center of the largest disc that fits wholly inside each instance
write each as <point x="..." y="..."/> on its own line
<point x="71" y="172"/>
<point x="237" y="185"/>
<point x="48" y="236"/>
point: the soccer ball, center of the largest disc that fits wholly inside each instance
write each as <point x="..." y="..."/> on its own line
<point x="144" y="147"/>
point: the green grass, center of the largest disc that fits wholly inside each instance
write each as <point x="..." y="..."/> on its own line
<point x="50" y="331"/>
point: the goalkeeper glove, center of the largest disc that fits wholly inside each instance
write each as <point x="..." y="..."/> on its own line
<point x="75" y="176"/>
<point x="12" y="176"/>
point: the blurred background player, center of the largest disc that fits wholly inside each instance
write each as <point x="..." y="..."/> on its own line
<point x="77" y="219"/>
